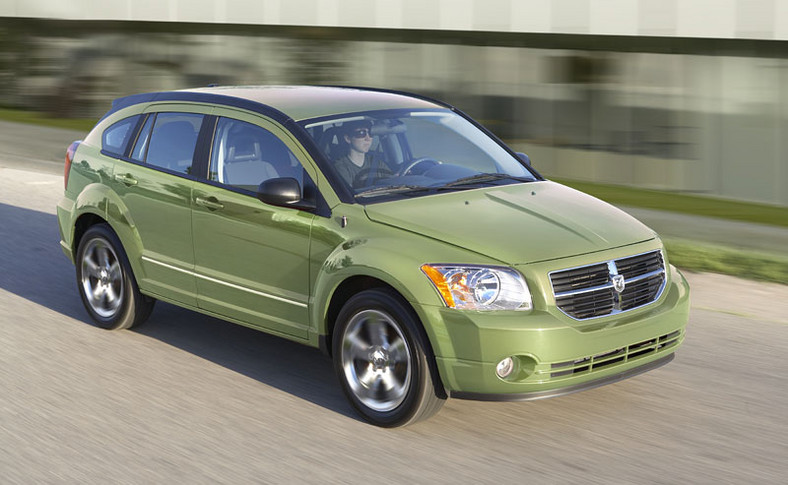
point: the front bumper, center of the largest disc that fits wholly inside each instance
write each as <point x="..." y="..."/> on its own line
<point x="555" y="355"/>
<point x="562" y="391"/>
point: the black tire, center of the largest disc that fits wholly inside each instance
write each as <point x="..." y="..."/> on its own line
<point x="377" y="344"/>
<point x="105" y="281"/>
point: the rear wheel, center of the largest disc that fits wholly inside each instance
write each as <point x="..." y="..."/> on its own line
<point x="106" y="283"/>
<point x="382" y="362"/>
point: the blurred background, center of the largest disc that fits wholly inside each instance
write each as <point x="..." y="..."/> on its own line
<point x="687" y="96"/>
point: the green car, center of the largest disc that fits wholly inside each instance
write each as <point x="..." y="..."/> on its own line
<point x="412" y="246"/>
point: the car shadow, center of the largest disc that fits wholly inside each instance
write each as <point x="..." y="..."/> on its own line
<point x="33" y="267"/>
<point x="31" y="263"/>
<point x="288" y="366"/>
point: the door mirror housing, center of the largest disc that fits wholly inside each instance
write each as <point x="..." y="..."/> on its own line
<point x="524" y="157"/>
<point x="283" y="192"/>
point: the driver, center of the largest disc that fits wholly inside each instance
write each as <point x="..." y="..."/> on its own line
<point x="358" y="167"/>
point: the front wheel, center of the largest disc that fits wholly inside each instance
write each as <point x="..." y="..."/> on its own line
<point x="382" y="362"/>
<point x="106" y="283"/>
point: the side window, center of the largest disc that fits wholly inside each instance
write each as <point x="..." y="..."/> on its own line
<point x="141" y="147"/>
<point x="116" y="136"/>
<point x="244" y="155"/>
<point x="173" y="140"/>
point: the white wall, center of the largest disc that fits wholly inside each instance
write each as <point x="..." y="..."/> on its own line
<point x="732" y="19"/>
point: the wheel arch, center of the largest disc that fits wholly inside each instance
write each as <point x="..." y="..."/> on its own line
<point x="84" y="222"/>
<point x="98" y="203"/>
<point x="88" y="219"/>
<point x="358" y="283"/>
<point x="343" y="292"/>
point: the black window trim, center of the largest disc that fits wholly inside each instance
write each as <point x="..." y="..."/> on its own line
<point x="221" y="100"/>
<point x="188" y="176"/>
<point x="394" y="111"/>
<point x="126" y="157"/>
<point x="205" y="144"/>
<point x="144" y="163"/>
<point x="201" y="159"/>
<point x="128" y="143"/>
<point x="295" y="128"/>
<point x="138" y="129"/>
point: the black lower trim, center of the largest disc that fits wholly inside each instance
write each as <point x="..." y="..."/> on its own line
<point x="324" y="345"/>
<point x="532" y="396"/>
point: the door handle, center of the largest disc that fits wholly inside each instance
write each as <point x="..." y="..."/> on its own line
<point x="126" y="179"/>
<point x="209" y="203"/>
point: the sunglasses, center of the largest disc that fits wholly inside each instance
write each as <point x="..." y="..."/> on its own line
<point x="362" y="133"/>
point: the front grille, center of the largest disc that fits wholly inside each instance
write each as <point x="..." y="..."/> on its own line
<point x="618" y="356"/>
<point x="591" y="291"/>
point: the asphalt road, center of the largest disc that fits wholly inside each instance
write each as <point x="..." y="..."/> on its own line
<point x="189" y="399"/>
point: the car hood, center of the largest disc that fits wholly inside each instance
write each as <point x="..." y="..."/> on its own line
<point x="516" y="224"/>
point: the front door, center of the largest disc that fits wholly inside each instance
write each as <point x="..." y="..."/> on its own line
<point x="251" y="259"/>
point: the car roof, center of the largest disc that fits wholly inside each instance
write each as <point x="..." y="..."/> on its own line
<point x="306" y="102"/>
<point x="296" y="102"/>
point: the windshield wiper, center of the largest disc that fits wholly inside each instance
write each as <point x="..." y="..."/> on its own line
<point x="391" y="189"/>
<point x="481" y="178"/>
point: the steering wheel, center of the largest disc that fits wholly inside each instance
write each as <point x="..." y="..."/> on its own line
<point x="427" y="163"/>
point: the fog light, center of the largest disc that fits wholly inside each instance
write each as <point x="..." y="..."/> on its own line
<point x="505" y="368"/>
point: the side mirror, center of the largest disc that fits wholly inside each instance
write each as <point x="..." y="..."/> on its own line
<point x="525" y="158"/>
<point x="283" y="192"/>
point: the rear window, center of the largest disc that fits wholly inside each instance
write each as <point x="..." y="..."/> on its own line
<point x="172" y="141"/>
<point x="116" y="137"/>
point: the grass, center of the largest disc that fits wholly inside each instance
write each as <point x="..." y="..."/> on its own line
<point x="684" y="203"/>
<point x="31" y="117"/>
<point x="695" y="256"/>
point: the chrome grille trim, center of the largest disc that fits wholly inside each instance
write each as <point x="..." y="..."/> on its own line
<point x="610" y="285"/>
<point x="588" y="292"/>
<point x="621" y="355"/>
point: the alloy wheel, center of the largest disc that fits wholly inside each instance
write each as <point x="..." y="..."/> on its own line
<point x="376" y="360"/>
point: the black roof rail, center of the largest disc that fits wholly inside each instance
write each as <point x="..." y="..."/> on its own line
<point x="390" y="91"/>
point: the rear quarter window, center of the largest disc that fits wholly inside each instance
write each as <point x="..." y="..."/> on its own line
<point x="116" y="137"/>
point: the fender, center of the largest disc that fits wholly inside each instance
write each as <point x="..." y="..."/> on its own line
<point x="389" y="258"/>
<point x="101" y="200"/>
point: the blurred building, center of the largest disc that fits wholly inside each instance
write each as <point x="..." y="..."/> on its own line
<point x="687" y="95"/>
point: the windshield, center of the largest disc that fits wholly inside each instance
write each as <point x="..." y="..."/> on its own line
<point x="413" y="153"/>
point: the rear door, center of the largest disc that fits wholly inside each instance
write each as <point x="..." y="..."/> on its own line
<point x="156" y="186"/>
<point x="252" y="259"/>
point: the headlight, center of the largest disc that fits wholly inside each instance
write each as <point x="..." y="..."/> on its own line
<point x="479" y="287"/>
